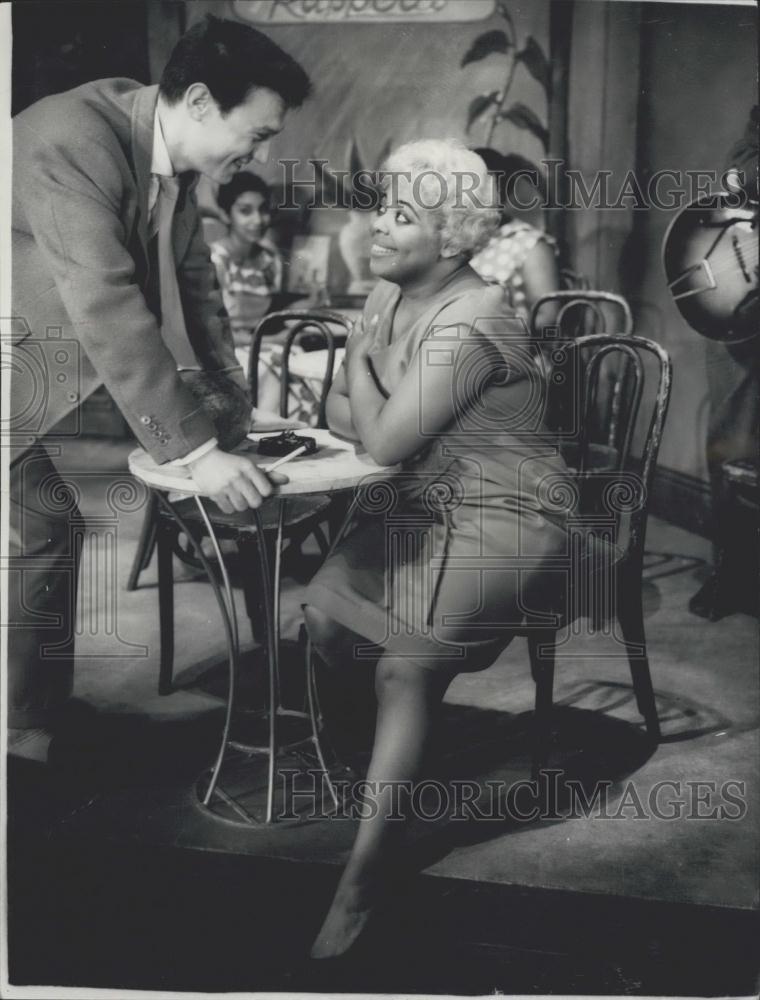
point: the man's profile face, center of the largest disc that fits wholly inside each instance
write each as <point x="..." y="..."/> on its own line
<point x="225" y="143"/>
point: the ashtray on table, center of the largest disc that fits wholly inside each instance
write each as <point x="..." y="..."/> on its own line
<point x="278" y="445"/>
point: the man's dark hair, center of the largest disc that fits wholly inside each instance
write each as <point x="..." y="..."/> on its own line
<point x="232" y="59"/>
<point x="241" y="183"/>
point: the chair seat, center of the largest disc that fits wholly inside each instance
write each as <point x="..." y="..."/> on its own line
<point x="298" y="512"/>
<point x="569" y="600"/>
<point x="741" y="478"/>
<point x="599" y="457"/>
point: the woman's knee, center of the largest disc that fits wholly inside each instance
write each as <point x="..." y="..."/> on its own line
<point x="323" y="630"/>
<point x="394" y="675"/>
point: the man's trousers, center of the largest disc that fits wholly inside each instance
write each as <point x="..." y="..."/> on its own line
<point x="43" y="569"/>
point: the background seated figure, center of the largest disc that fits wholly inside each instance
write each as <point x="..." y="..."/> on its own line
<point x="437" y="377"/>
<point x="519" y="256"/>
<point x="249" y="271"/>
<point x="248" y="265"/>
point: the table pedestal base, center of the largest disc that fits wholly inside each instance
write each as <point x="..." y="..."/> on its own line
<point x="302" y="790"/>
<point x="277" y="718"/>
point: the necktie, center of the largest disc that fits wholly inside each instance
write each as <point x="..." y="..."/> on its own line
<point x="173" y="328"/>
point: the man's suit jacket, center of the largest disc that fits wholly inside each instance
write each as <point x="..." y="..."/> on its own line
<point x="81" y="272"/>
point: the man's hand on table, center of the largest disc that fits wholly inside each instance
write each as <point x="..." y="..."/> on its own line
<point x="233" y="482"/>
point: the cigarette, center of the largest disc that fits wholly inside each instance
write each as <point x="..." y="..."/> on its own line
<point x="285" y="458"/>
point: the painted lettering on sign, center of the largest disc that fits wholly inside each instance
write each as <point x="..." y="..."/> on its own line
<point x="360" y="11"/>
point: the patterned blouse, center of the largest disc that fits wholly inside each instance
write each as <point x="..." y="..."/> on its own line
<point x="501" y="262"/>
<point x="247" y="287"/>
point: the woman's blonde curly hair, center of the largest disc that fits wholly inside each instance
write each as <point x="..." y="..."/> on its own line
<point x="456" y="186"/>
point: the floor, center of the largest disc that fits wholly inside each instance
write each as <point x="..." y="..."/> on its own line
<point x="651" y="890"/>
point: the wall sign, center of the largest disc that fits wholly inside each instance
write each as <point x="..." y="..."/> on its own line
<point x="263" y="12"/>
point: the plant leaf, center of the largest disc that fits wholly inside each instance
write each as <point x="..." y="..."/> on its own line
<point x="355" y="164"/>
<point x="504" y="11"/>
<point x="524" y="117"/>
<point x="478" y="105"/>
<point x="536" y="63"/>
<point x="385" y="152"/>
<point x="484" y="45"/>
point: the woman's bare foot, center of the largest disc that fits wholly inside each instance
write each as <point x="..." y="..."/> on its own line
<point x="345" y="920"/>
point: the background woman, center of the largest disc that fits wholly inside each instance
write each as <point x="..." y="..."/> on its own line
<point x="249" y="271"/>
<point x="439" y="379"/>
<point x="248" y="265"/>
<point x="519" y="256"/>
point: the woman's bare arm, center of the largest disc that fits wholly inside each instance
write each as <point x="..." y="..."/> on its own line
<point x="435" y="386"/>
<point x="338" y="409"/>
<point x="540" y="275"/>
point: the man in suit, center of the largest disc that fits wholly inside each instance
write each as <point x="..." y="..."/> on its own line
<point x="101" y="175"/>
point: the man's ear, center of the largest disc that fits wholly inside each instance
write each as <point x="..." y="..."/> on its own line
<point x="448" y="251"/>
<point x="198" y="101"/>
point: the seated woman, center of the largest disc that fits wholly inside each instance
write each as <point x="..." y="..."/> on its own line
<point x="439" y="566"/>
<point x="519" y="257"/>
<point x="248" y="265"/>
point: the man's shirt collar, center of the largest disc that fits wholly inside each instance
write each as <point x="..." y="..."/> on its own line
<point x="161" y="163"/>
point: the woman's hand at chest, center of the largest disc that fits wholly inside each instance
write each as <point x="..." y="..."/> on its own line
<point x="423" y="402"/>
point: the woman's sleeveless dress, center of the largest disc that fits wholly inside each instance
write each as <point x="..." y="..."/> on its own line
<point x="446" y="556"/>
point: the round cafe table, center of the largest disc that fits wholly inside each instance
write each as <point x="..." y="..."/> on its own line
<point x="335" y="467"/>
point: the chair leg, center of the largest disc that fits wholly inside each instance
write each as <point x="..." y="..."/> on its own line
<point x="165" y="606"/>
<point x="324" y="545"/>
<point x="336" y="514"/>
<point x="146" y="543"/>
<point x="542" y="669"/>
<point x="630" y="614"/>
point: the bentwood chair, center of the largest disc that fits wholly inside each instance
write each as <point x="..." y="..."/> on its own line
<point x="312" y="329"/>
<point x="601" y="578"/>
<point x="562" y="317"/>
<point x="583" y="311"/>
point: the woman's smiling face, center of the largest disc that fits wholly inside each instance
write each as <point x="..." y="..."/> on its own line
<point x="406" y="241"/>
<point x="249" y="216"/>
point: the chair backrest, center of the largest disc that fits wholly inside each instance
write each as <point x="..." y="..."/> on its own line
<point x="331" y="328"/>
<point x="575" y="312"/>
<point x="568" y="315"/>
<point x="625" y="486"/>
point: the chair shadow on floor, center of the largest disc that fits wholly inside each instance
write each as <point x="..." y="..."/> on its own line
<point x="485" y="763"/>
<point x="481" y="755"/>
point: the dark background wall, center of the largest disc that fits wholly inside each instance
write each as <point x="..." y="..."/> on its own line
<point x="58" y="45"/>
<point x="698" y="84"/>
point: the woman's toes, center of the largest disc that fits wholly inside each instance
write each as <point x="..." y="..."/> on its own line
<point x="341" y="928"/>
